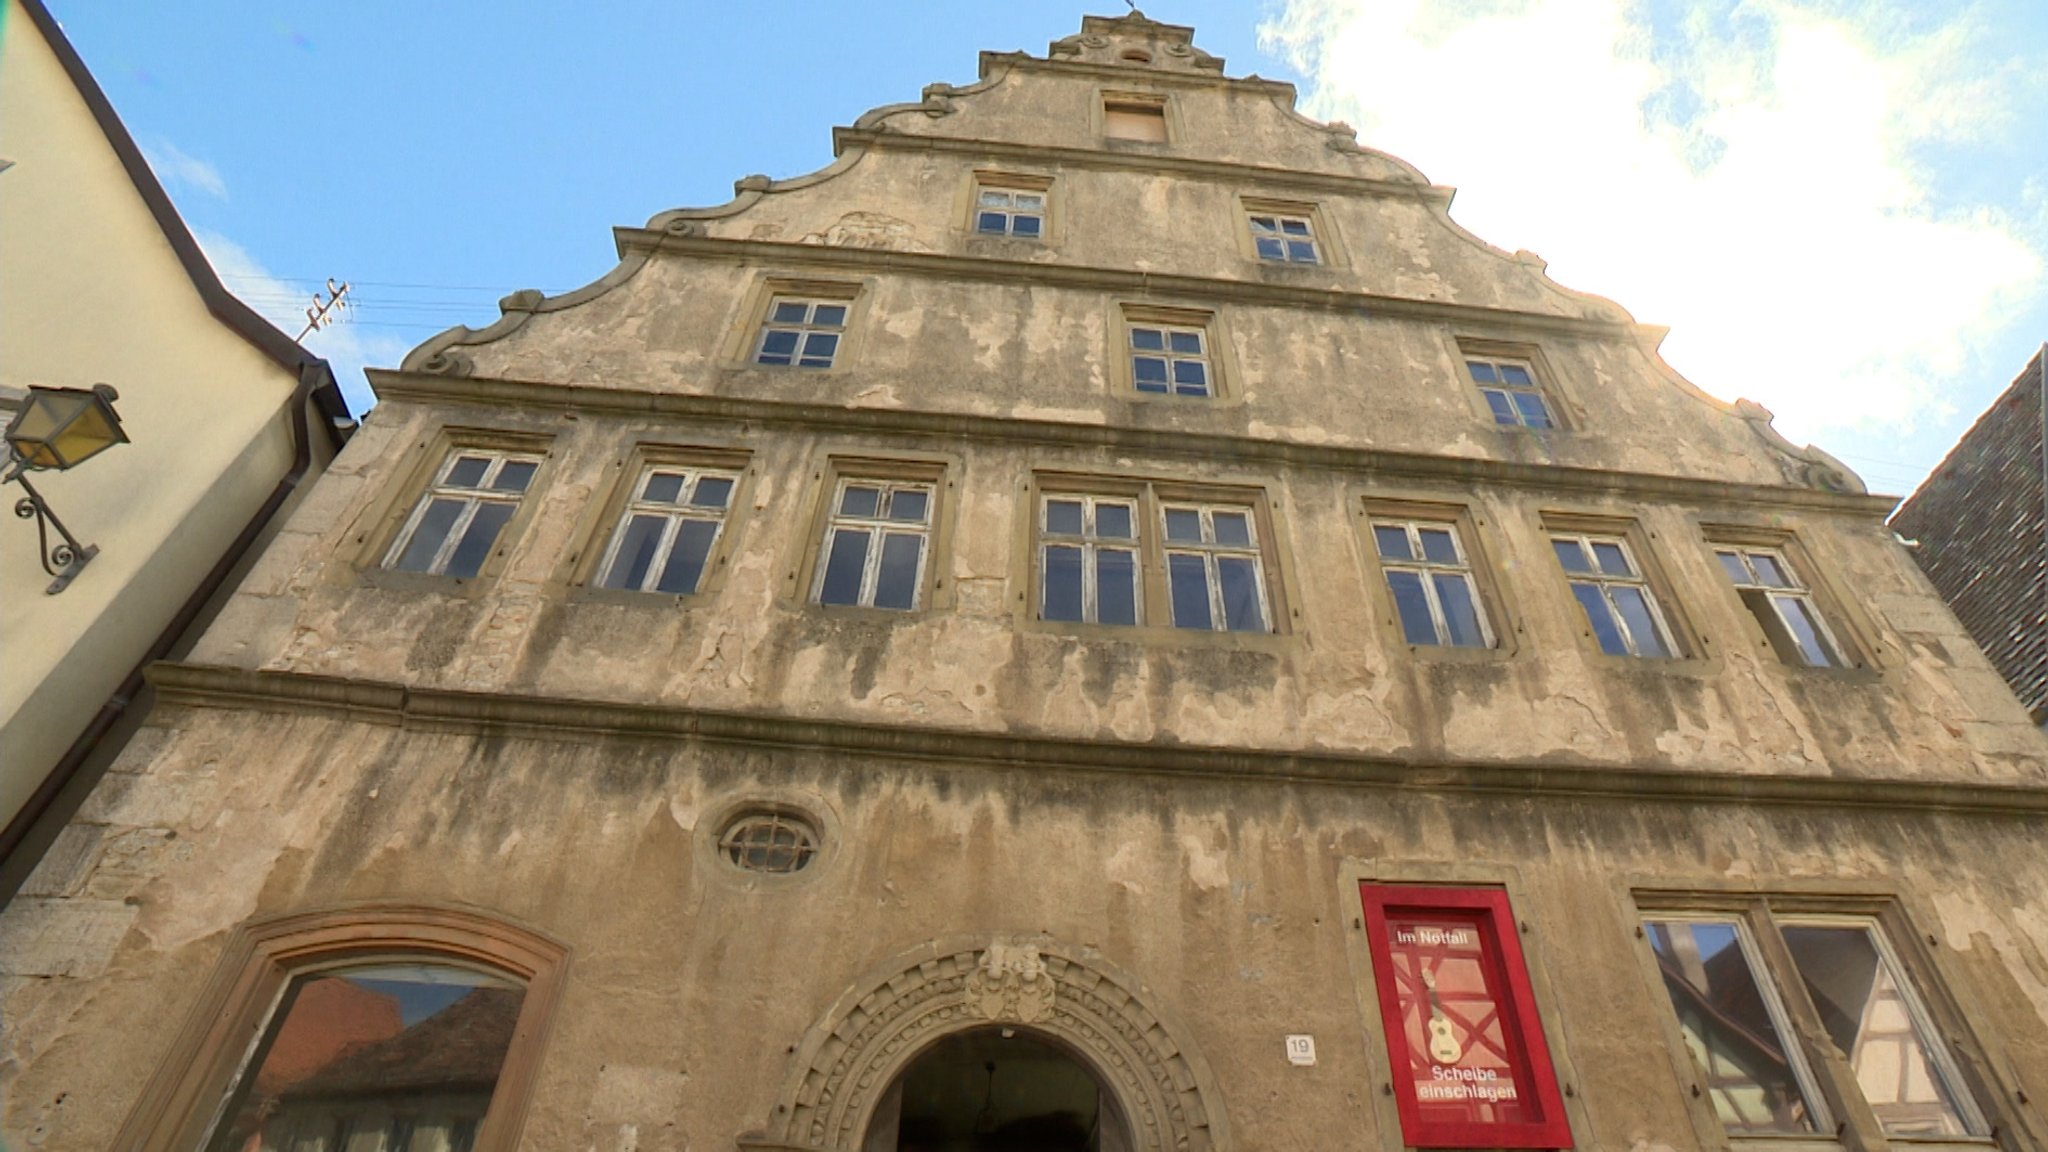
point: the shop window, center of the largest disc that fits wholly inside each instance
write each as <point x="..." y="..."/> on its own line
<point x="456" y="524"/>
<point x="398" y="1056"/>
<point x="367" y="1029"/>
<point x="1753" y="1027"/>
<point x="1471" y="1066"/>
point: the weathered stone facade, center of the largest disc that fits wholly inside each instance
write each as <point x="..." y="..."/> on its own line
<point x="1145" y="843"/>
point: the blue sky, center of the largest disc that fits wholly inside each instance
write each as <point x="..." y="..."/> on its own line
<point x="1841" y="209"/>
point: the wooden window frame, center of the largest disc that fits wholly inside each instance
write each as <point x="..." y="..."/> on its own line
<point x="184" y="1100"/>
<point x="1488" y="907"/>
<point x="395" y="515"/>
<point x="1847" y="1120"/>
<point x="936" y="473"/>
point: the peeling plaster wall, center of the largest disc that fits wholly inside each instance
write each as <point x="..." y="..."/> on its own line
<point x="691" y="979"/>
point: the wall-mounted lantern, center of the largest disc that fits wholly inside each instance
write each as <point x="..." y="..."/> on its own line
<point x="59" y="428"/>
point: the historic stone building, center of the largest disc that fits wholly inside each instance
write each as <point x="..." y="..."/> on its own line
<point x="1101" y="620"/>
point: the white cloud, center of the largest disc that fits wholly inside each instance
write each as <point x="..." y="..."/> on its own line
<point x="179" y="170"/>
<point x="284" y="303"/>
<point x="1746" y="171"/>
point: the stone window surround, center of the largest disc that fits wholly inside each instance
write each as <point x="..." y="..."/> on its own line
<point x="757" y="304"/>
<point x="1564" y="410"/>
<point x="1108" y="98"/>
<point x="1759" y="911"/>
<point x="1688" y="646"/>
<point x="1847" y="627"/>
<point x="594" y="535"/>
<point x="1052" y="219"/>
<point x="429" y="453"/>
<point x="1150" y="493"/>
<point x="181" y="1100"/>
<point x="1329" y="253"/>
<point x="935" y="592"/>
<point x="1223" y="372"/>
<point x="1473" y="536"/>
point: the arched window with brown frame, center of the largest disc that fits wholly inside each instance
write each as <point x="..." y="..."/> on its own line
<point x="397" y="1028"/>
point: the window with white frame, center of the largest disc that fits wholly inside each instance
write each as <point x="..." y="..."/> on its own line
<point x="668" y="529"/>
<point x="1214" y="574"/>
<point x="1429" y="576"/>
<point x="1834" y="1010"/>
<point x="456" y="523"/>
<point x="1783" y="607"/>
<point x="1283" y="238"/>
<point x="1512" y="392"/>
<point x="1009" y="211"/>
<point x="1089" y="559"/>
<point x="1170" y="359"/>
<point x="1610" y="587"/>
<point x="801" y="332"/>
<point x="876" y="541"/>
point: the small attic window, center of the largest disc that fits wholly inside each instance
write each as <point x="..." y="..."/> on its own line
<point x="1134" y="118"/>
<point x="1137" y="56"/>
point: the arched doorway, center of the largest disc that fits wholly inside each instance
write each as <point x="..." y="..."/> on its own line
<point x="997" y="1090"/>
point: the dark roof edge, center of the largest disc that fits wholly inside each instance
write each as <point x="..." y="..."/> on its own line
<point x="225" y="306"/>
<point x="2030" y="377"/>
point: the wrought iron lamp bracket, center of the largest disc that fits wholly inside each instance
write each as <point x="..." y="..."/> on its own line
<point x="68" y="557"/>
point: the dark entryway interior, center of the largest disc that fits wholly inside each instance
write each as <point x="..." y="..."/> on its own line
<point x="999" y="1090"/>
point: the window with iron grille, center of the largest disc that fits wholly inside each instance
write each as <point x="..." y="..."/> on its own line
<point x="456" y="523"/>
<point x="769" y="840"/>
<point x="1619" y="605"/>
<point x="1429" y="576"/>
<point x="668" y="529"/>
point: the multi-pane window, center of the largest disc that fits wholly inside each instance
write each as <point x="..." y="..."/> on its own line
<point x="1170" y="359"/>
<point x="1009" y="212"/>
<point x="801" y="333"/>
<point x="1782" y="605"/>
<point x="667" y="531"/>
<point x="1754" y="1028"/>
<point x="875" y="544"/>
<point x="1511" y="392"/>
<point x="1284" y="239"/>
<point x="1430" y="577"/>
<point x="1619" y="606"/>
<point x="1214" y="576"/>
<point x="1089" y="560"/>
<point x="457" y="522"/>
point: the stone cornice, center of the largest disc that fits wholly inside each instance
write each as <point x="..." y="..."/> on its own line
<point x="1221" y="171"/>
<point x="548" y="718"/>
<point x="938" y="265"/>
<point x="427" y="388"/>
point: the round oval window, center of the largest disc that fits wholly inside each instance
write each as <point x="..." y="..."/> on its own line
<point x="768" y="841"/>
